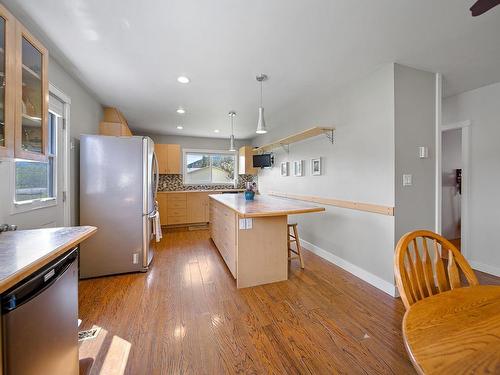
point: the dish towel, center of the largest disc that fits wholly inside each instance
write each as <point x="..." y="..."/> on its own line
<point x="157" y="226"/>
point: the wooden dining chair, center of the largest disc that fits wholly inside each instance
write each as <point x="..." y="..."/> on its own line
<point x="419" y="274"/>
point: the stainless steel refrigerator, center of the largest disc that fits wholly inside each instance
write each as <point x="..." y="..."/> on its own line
<point x="118" y="185"/>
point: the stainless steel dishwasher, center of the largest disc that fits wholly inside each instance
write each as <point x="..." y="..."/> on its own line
<point x="39" y="321"/>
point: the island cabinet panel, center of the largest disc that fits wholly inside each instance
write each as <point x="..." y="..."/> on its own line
<point x="223" y="233"/>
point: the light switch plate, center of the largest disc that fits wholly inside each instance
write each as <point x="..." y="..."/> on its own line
<point x="407" y="180"/>
<point x="249" y="223"/>
<point x="243" y="224"/>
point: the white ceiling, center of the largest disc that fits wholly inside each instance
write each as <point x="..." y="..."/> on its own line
<point x="129" y="52"/>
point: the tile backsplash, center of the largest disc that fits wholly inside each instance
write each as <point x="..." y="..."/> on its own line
<point x="173" y="182"/>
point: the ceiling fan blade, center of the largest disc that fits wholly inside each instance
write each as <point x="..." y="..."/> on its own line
<point x="482" y="6"/>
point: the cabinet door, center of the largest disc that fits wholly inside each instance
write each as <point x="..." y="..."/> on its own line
<point x="174" y="159"/>
<point x="245" y="162"/>
<point x="32" y="93"/>
<point x="7" y="82"/>
<point x="197" y="207"/>
<point x="162" y="157"/>
<point x="162" y="207"/>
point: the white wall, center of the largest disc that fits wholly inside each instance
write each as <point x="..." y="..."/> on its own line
<point x="482" y="107"/>
<point x="359" y="166"/>
<point x="451" y="200"/>
<point x="414" y="98"/>
<point x="380" y="121"/>
<point x="86" y="112"/>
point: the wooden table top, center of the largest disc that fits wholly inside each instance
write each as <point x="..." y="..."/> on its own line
<point x="23" y="252"/>
<point x="264" y="205"/>
<point x="455" y="332"/>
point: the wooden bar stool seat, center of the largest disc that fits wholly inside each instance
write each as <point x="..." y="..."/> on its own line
<point x="294" y="237"/>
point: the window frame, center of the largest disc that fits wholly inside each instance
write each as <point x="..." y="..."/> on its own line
<point x="186" y="151"/>
<point x="34" y="204"/>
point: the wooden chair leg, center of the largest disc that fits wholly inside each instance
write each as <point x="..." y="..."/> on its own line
<point x="297" y="243"/>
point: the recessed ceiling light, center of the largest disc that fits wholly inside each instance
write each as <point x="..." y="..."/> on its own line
<point x="183" y="79"/>
<point x="180" y="127"/>
<point x="181" y="111"/>
<point x="216" y="130"/>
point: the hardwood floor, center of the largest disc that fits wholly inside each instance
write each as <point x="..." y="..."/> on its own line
<point x="185" y="316"/>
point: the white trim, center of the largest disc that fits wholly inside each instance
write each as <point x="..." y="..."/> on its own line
<point x="464" y="235"/>
<point x="359" y="272"/>
<point x="438" y="135"/>
<point x="492" y="270"/>
<point x="67" y="152"/>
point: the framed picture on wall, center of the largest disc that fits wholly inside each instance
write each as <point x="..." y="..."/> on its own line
<point x="298" y="168"/>
<point x="316" y="167"/>
<point x="284" y="169"/>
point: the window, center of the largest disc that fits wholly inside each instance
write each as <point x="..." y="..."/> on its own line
<point x="36" y="180"/>
<point x="212" y="167"/>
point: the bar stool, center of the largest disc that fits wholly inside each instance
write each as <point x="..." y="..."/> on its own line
<point x="294" y="237"/>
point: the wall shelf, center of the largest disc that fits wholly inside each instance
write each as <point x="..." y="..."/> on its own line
<point x="306" y="134"/>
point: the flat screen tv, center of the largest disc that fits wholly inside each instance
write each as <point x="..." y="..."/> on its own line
<point x="263" y="161"/>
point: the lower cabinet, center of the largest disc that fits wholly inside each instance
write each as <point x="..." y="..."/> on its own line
<point x="184" y="208"/>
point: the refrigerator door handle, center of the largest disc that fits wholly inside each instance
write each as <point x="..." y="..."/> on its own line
<point x="157" y="175"/>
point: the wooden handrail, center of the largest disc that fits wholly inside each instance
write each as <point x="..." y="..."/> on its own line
<point x="360" y="206"/>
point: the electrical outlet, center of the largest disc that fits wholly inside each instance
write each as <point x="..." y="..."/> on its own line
<point x="243" y="224"/>
<point x="135" y="258"/>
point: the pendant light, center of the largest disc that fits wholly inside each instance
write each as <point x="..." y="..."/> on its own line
<point x="231" y="139"/>
<point x="261" y="124"/>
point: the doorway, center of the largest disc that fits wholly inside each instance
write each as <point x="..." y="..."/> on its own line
<point x="454" y="183"/>
<point x="451" y="186"/>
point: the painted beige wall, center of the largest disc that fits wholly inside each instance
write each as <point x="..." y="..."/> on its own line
<point x="481" y="107"/>
<point x="414" y="96"/>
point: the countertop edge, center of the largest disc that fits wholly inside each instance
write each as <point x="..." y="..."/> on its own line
<point x="270" y="213"/>
<point x="13" y="279"/>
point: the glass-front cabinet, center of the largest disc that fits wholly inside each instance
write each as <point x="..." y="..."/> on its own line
<point x="32" y="97"/>
<point x="7" y="86"/>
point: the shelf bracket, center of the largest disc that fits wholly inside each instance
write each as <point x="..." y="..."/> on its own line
<point x="329" y="135"/>
<point x="285" y="147"/>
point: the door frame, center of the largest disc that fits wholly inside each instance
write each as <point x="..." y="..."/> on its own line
<point x="66" y="199"/>
<point x="464" y="235"/>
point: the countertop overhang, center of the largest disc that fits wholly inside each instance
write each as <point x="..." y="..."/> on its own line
<point x="264" y="205"/>
<point x="26" y="251"/>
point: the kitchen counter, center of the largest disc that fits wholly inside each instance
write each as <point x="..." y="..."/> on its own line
<point x="26" y="251"/>
<point x="264" y="205"/>
<point x="252" y="236"/>
<point x="202" y="191"/>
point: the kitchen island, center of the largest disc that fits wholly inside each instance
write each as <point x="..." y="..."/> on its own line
<point x="252" y="236"/>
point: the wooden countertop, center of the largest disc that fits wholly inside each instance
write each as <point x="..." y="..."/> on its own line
<point x="264" y="205"/>
<point x="201" y="191"/>
<point x="26" y="251"/>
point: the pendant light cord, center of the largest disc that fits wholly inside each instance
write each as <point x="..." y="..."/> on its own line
<point x="261" y="100"/>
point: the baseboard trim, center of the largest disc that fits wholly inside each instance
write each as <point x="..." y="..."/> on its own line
<point x="359" y="272"/>
<point x="495" y="271"/>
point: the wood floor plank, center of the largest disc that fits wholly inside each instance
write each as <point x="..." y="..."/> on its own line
<point x="186" y="316"/>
